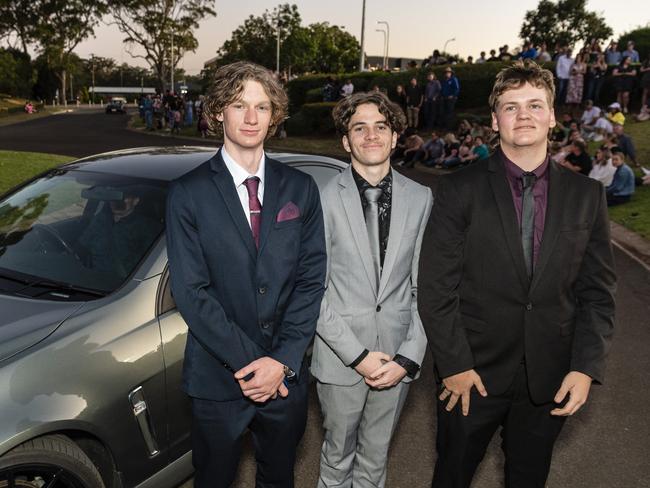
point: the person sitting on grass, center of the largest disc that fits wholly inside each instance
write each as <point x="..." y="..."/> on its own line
<point x="433" y="149"/>
<point x="603" y="170"/>
<point x="614" y="114"/>
<point x="622" y="187"/>
<point x="479" y="151"/>
<point x="450" y="159"/>
<point x="578" y="160"/>
<point x="412" y="145"/>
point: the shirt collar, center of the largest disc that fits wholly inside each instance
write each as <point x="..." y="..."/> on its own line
<point x="362" y="184"/>
<point x="238" y="173"/>
<point x="514" y="172"/>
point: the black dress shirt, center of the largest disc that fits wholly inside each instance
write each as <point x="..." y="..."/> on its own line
<point x="384" y="207"/>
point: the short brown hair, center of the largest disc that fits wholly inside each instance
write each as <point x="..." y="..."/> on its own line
<point x="518" y="74"/>
<point x="227" y="86"/>
<point x="345" y="109"/>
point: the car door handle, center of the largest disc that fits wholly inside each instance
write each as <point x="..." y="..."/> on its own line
<point x="142" y="417"/>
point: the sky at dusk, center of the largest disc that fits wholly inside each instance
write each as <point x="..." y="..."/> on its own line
<point x="417" y="27"/>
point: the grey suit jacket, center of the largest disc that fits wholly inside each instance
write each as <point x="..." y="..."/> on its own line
<point x="357" y="313"/>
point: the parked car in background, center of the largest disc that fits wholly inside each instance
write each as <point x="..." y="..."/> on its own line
<point x="116" y="105"/>
<point x="91" y="343"/>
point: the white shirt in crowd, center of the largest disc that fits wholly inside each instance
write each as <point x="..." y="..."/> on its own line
<point x="604" y="124"/>
<point x="603" y="172"/>
<point x="239" y="175"/>
<point x="590" y="116"/>
<point x="347" y="89"/>
<point x="563" y="67"/>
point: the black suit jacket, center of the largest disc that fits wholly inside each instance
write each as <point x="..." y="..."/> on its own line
<point x="480" y="310"/>
<point x="241" y="303"/>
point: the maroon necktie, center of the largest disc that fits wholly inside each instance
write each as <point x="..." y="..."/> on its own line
<point x="254" y="207"/>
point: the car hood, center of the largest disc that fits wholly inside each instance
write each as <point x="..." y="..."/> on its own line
<point x="25" y="321"/>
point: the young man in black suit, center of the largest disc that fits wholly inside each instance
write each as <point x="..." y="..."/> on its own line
<point x="517" y="292"/>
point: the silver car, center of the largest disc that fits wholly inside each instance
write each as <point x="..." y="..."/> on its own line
<point x="91" y="343"/>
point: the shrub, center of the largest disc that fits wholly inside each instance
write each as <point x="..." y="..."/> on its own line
<point x="312" y="118"/>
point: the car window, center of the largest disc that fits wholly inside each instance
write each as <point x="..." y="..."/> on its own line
<point x="80" y="229"/>
<point x="321" y="173"/>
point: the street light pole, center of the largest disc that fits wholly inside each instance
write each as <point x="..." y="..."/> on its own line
<point x="171" y="54"/>
<point x="92" y="59"/>
<point x="363" y="28"/>
<point x="444" y="48"/>
<point x="387" y="41"/>
<point x="277" y="47"/>
<point x="384" y="56"/>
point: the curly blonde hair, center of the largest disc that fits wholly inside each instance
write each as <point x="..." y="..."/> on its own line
<point x="228" y="85"/>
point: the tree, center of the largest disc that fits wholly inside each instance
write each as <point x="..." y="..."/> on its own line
<point x="332" y="50"/>
<point x="18" y="19"/>
<point x="565" y="22"/>
<point x="256" y="39"/>
<point x="62" y="25"/>
<point x="155" y="26"/>
<point x="318" y="47"/>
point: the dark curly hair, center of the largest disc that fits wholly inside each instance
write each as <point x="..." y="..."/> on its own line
<point x="227" y="86"/>
<point x="345" y="109"/>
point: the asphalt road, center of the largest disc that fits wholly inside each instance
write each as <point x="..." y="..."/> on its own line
<point x="606" y="445"/>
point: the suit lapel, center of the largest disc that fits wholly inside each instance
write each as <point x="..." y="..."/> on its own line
<point x="554" y="208"/>
<point x="269" y="206"/>
<point x="398" y="213"/>
<point x="352" y="207"/>
<point x="503" y="197"/>
<point x="223" y="180"/>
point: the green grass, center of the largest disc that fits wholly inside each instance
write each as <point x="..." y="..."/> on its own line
<point x="635" y="215"/>
<point x="18" y="166"/>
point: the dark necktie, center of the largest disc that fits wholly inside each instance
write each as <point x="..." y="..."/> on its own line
<point x="254" y="207"/>
<point x="528" y="220"/>
<point x="372" y="225"/>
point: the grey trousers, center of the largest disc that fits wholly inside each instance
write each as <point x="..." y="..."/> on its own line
<point x="359" y="423"/>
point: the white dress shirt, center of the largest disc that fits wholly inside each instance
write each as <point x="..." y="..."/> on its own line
<point x="239" y="175"/>
<point x="563" y="67"/>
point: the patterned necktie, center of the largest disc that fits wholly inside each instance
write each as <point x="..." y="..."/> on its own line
<point x="372" y="225"/>
<point x="254" y="207"/>
<point x="528" y="220"/>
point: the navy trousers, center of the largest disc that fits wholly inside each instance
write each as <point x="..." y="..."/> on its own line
<point x="276" y="427"/>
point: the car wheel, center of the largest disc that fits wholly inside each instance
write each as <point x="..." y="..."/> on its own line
<point x="52" y="460"/>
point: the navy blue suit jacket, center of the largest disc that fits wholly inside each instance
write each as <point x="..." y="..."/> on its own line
<point x="241" y="303"/>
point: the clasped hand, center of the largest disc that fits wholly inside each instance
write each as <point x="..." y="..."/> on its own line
<point x="379" y="371"/>
<point x="267" y="381"/>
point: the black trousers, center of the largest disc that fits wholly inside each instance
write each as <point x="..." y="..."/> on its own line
<point x="528" y="435"/>
<point x="276" y="427"/>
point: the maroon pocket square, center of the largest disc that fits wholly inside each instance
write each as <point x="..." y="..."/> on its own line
<point x="290" y="211"/>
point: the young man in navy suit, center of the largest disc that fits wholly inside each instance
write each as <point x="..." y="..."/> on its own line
<point x="247" y="258"/>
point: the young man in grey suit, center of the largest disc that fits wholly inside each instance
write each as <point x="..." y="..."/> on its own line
<point x="370" y="341"/>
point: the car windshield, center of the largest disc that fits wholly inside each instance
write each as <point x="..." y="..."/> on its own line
<point x="78" y="230"/>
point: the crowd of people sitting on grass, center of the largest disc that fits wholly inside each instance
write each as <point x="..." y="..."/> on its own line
<point x="609" y="164"/>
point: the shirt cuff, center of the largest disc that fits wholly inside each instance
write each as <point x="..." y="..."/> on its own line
<point x="411" y="367"/>
<point x="360" y="358"/>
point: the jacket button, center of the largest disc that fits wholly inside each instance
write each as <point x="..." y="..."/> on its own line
<point x="262" y="290"/>
<point x="378" y="308"/>
<point x="529" y="306"/>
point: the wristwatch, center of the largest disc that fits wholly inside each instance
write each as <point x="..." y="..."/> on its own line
<point x="288" y="372"/>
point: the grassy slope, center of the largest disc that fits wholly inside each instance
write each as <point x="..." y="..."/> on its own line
<point x="16" y="166"/>
<point x="635" y="215"/>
